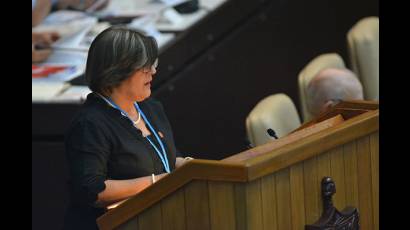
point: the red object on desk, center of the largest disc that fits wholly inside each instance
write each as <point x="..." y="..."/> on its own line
<point x="45" y="71"/>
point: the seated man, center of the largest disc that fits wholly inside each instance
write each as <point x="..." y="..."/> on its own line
<point x="330" y="86"/>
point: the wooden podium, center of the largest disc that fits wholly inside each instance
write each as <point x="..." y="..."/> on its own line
<point x="273" y="186"/>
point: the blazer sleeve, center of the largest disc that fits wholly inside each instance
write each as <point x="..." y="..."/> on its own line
<point x="88" y="150"/>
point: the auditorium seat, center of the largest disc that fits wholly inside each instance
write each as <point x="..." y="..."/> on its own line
<point x="277" y="112"/>
<point x="363" y="47"/>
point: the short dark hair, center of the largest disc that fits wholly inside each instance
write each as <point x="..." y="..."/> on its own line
<point x="115" y="54"/>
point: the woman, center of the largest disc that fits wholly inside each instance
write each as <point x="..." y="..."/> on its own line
<point x="120" y="141"/>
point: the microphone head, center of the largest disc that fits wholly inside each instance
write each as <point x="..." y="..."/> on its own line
<point x="272" y="133"/>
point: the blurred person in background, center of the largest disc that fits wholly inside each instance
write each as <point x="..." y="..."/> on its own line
<point x="330" y="86"/>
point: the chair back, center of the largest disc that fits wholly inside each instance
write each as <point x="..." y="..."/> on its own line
<point x="277" y="112"/>
<point x="324" y="61"/>
<point x="363" y="47"/>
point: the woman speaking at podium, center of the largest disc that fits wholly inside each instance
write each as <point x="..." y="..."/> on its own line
<point x="120" y="142"/>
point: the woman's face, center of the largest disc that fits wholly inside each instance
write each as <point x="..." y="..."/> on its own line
<point x="138" y="86"/>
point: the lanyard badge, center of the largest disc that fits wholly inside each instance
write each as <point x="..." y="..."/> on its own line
<point x="162" y="154"/>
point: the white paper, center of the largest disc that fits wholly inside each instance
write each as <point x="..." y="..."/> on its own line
<point x="73" y="94"/>
<point x="43" y="91"/>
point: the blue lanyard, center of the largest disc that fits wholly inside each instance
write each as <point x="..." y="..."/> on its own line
<point x="162" y="154"/>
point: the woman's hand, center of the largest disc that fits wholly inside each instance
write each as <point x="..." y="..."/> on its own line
<point x="118" y="190"/>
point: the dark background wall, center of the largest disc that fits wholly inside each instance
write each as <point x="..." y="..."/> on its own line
<point x="208" y="80"/>
<point x="49" y="191"/>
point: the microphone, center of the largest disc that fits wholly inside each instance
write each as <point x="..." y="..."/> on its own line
<point x="272" y="133"/>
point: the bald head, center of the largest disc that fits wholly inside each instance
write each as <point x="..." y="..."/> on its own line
<point x="332" y="84"/>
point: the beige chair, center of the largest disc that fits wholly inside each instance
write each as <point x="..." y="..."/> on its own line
<point x="363" y="46"/>
<point x="277" y="112"/>
<point x="329" y="60"/>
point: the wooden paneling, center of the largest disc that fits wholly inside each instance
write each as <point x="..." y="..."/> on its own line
<point x="312" y="190"/>
<point x="351" y="180"/>
<point x="365" y="183"/>
<point x="222" y="205"/>
<point x="254" y="205"/>
<point x="269" y="202"/>
<point x="241" y="219"/>
<point x="270" y="191"/>
<point x="151" y="218"/>
<point x="297" y="197"/>
<point x="283" y="199"/>
<point x="358" y="104"/>
<point x="374" y="155"/>
<point x="197" y="206"/>
<point x="287" y="199"/>
<point x="323" y="170"/>
<point x="337" y="172"/>
<point x="132" y="224"/>
<point x="195" y="169"/>
<point x="323" y="161"/>
<point x="173" y="211"/>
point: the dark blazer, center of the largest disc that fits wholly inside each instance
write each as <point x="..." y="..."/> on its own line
<point x="103" y="144"/>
